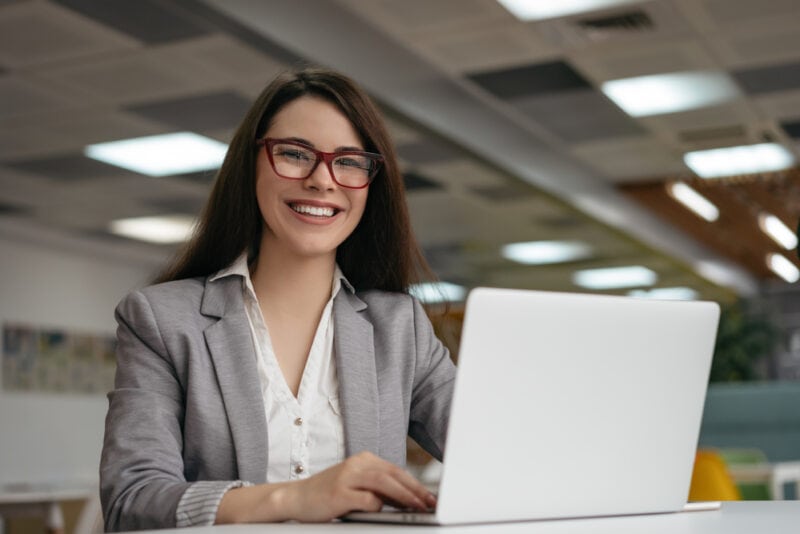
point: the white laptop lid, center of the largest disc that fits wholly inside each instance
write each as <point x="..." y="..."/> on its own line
<point x="569" y="405"/>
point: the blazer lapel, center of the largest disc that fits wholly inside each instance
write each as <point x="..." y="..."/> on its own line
<point x="358" y="380"/>
<point x="230" y="343"/>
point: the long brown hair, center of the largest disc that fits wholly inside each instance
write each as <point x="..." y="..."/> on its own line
<point x="381" y="253"/>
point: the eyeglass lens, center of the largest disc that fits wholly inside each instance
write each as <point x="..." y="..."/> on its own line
<point x="295" y="161"/>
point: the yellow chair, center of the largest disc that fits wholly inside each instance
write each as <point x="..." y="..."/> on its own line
<point x="711" y="480"/>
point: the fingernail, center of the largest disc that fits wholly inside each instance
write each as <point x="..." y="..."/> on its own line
<point x="431" y="498"/>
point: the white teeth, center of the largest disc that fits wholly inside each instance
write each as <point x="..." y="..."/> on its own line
<point x="313" y="210"/>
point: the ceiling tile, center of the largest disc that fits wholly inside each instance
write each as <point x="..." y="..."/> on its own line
<point x="7" y="208"/>
<point x="630" y="159"/>
<point x="199" y="113"/>
<point x="726" y="11"/>
<point x="415" y="16"/>
<point x="189" y="205"/>
<point x="768" y="79"/>
<point x="204" y="178"/>
<point x="39" y="32"/>
<point x="68" y="168"/>
<point x="604" y="64"/>
<point x="466" y="173"/>
<point x="229" y="58"/>
<point x="504" y="193"/>
<point x="784" y="105"/>
<point x="426" y="151"/>
<point x="528" y="80"/>
<point x="138" y="77"/>
<point x="19" y="96"/>
<point x="578" y="116"/>
<point x="721" y="116"/>
<point x="487" y="47"/>
<point x="147" y="20"/>
<point x="414" y="182"/>
<point x="43" y="134"/>
<point x="792" y="128"/>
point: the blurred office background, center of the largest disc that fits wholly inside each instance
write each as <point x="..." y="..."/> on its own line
<point x="655" y="137"/>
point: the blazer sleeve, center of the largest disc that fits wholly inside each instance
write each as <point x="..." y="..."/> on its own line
<point x="141" y="468"/>
<point x="432" y="393"/>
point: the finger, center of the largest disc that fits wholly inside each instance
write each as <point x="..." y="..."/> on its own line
<point x="364" y="501"/>
<point x="416" y="487"/>
<point x="369" y="465"/>
<point x="390" y="489"/>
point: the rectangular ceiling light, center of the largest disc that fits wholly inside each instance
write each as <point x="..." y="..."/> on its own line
<point x="161" y="155"/>
<point x="615" y="277"/>
<point x="779" y="232"/>
<point x="546" y="252"/>
<point x="731" y="161"/>
<point x="665" y="293"/>
<point x="693" y="200"/>
<point x="162" y="230"/>
<point x="548" y="9"/>
<point x="783" y="268"/>
<point x="437" y="292"/>
<point x="669" y="93"/>
<point x="716" y="272"/>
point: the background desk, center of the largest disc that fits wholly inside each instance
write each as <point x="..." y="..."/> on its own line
<point x="44" y="501"/>
<point x="745" y="517"/>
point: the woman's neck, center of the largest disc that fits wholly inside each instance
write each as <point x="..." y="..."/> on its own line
<point x="293" y="282"/>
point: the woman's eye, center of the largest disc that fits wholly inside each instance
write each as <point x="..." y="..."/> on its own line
<point x="357" y="163"/>
<point x="294" y="154"/>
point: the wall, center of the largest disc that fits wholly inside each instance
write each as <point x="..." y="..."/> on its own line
<point x="56" y="438"/>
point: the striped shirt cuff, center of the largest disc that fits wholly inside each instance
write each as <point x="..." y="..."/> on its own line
<point x="198" y="505"/>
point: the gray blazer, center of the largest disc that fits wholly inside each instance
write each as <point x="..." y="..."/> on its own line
<point x="187" y="404"/>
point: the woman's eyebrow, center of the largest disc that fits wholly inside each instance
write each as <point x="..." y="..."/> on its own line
<point x="349" y="148"/>
<point x="312" y="145"/>
<point x="300" y="140"/>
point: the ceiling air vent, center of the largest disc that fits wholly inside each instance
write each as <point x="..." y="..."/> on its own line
<point x="618" y="24"/>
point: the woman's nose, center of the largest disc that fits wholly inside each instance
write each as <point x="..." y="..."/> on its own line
<point x="321" y="178"/>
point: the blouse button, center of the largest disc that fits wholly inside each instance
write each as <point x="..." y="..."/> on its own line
<point x="298" y="469"/>
<point x="298" y="421"/>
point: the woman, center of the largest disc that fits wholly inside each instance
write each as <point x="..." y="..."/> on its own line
<point x="276" y="370"/>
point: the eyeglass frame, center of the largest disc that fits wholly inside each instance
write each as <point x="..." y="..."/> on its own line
<point x="327" y="157"/>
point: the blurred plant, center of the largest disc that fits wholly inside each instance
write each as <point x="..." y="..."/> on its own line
<point x="746" y="336"/>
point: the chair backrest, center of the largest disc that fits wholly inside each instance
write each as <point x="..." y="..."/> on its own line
<point x="711" y="480"/>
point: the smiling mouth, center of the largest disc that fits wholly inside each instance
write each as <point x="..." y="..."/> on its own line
<point x="314" y="211"/>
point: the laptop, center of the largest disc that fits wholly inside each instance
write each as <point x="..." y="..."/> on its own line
<point x="571" y="405"/>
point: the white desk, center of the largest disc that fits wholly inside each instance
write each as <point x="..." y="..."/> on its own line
<point x="44" y="501"/>
<point x="746" y="517"/>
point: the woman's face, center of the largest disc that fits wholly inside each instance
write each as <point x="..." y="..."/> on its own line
<point x="309" y="217"/>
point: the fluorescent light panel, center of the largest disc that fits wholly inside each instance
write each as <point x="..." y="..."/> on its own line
<point x="747" y="159"/>
<point x="779" y="232"/>
<point x="782" y="267"/>
<point x="716" y="272"/>
<point x="546" y="252"/>
<point x="693" y="201"/>
<point x="665" y="293"/>
<point x="669" y="93"/>
<point x="615" y="277"/>
<point x="161" y="155"/>
<point x="162" y="230"/>
<point x="433" y="293"/>
<point x="548" y="9"/>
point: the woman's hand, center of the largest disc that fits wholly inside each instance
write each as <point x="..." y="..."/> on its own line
<point x="363" y="482"/>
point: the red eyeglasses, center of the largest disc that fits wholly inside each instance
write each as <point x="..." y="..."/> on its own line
<point x="294" y="160"/>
